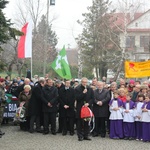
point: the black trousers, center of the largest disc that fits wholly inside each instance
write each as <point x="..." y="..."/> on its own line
<point x="60" y="123"/>
<point x="100" y="126"/>
<point x="35" y="119"/>
<point x="25" y="126"/>
<point x="49" y="117"/>
<point x="83" y="128"/>
<point x="68" y="124"/>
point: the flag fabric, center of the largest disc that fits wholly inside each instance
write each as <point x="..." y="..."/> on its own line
<point x="137" y="69"/>
<point x="61" y="65"/>
<point x="25" y="42"/>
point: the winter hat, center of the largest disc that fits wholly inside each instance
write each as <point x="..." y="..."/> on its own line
<point x="131" y="82"/>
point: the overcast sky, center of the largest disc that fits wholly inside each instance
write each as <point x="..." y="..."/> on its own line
<point x="67" y="12"/>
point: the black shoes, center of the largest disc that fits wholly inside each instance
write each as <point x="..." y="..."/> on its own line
<point x="39" y="130"/>
<point x="94" y="134"/>
<point x="59" y="131"/>
<point x="80" y="139"/>
<point x="31" y="131"/>
<point x="131" y="138"/>
<point x="54" y="133"/>
<point x="45" y="132"/>
<point x="1" y="133"/>
<point x="64" y="133"/>
<point x="71" y="133"/>
<point x="87" y="138"/>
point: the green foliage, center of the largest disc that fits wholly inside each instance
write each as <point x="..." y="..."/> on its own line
<point x="2" y="66"/>
<point x="6" y="31"/>
<point x="97" y="36"/>
<point x="40" y="45"/>
<point x="74" y="71"/>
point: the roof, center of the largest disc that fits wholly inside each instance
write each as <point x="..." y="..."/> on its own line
<point x="119" y="21"/>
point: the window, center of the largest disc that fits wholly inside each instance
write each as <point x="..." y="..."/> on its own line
<point x="144" y="41"/>
<point x="130" y="41"/>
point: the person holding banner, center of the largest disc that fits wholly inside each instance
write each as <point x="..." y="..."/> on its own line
<point x="2" y="103"/>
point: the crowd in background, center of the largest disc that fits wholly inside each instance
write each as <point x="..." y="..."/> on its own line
<point x="120" y="108"/>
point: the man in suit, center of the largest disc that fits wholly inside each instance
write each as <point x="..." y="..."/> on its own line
<point x="35" y="106"/>
<point x="100" y="109"/>
<point x="66" y="108"/>
<point x="84" y="97"/>
<point x="50" y="100"/>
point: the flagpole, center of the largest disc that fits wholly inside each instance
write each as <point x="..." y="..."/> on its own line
<point x="31" y="68"/>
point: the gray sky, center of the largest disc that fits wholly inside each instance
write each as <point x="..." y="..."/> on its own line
<point x="67" y="12"/>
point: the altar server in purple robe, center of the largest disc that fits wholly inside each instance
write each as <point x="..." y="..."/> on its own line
<point x="146" y="120"/>
<point x="116" y="119"/>
<point x="137" y="115"/>
<point x="128" y="119"/>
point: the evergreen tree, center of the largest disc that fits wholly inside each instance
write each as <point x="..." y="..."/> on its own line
<point x="40" y="45"/>
<point x="98" y="42"/>
<point x="6" y="31"/>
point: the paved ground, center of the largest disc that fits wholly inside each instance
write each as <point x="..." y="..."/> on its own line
<point x="14" y="139"/>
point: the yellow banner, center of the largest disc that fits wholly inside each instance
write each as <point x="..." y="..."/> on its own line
<point x="137" y="69"/>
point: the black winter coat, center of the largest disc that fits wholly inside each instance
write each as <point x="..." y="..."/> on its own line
<point x="82" y="98"/>
<point x="35" y="103"/>
<point x="104" y="96"/>
<point x="66" y="97"/>
<point x="50" y="94"/>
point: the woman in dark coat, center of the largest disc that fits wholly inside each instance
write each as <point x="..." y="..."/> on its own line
<point x="35" y="106"/>
<point x="25" y="96"/>
<point x="67" y="113"/>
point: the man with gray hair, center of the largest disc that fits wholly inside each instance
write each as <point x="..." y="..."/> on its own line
<point x="84" y="97"/>
<point x="21" y="87"/>
<point x="100" y="109"/>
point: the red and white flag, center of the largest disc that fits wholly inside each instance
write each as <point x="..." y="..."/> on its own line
<point x="25" y="42"/>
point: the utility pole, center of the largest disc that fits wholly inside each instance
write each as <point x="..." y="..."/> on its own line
<point x="46" y="39"/>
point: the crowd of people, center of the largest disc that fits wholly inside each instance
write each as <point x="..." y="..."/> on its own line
<point x="122" y="109"/>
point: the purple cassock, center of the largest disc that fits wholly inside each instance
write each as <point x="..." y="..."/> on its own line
<point x="128" y="121"/>
<point x="116" y="120"/>
<point x="146" y="122"/>
<point x="138" y="123"/>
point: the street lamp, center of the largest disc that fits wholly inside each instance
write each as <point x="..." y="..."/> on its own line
<point x="52" y="2"/>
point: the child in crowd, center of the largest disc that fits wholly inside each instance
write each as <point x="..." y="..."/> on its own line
<point x="116" y="119"/>
<point x="128" y="118"/>
<point x="137" y="115"/>
<point x="145" y="118"/>
<point x="122" y="94"/>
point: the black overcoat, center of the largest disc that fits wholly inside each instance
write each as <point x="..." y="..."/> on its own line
<point x="83" y="98"/>
<point x="50" y="94"/>
<point x="35" y="103"/>
<point x="67" y="97"/>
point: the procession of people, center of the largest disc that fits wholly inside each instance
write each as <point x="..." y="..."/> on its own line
<point x="121" y="109"/>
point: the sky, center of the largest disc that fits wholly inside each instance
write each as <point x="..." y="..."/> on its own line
<point x="68" y="12"/>
<point x="65" y="25"/>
